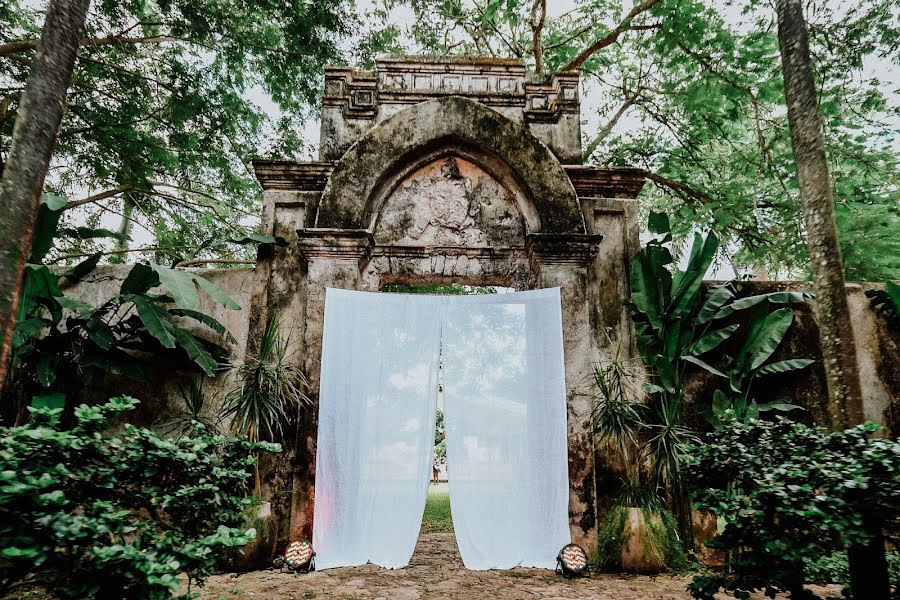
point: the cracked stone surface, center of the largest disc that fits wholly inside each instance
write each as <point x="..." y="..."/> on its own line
<point x="436" y="571"/>
<point x="450" y="202"/>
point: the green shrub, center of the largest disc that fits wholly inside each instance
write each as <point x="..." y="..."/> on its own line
<point x="834" y="568"/>
<point x="789" y="494"/>
<point x="88" y="512"/>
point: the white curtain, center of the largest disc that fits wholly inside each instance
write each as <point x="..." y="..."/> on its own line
<point x="376" y="427"/>
<point x="505" y="418"/>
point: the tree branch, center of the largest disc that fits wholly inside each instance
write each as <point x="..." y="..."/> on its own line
<point x="610" y="125"/>
<point x="218" y="261"/>
<point x="111" y="40"/>
<point x="537" y="24"/>
<point x="99" y="196"/>
<point x="611" y="37"/>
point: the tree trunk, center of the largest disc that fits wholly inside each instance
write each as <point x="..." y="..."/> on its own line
<point x="34" y="136"/>
<point x="868" y="568"/>
<point x="808" y="142"/>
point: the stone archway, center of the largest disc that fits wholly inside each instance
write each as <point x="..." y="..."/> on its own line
<point x="434" y="187"/>
<point x="373" y="165"/>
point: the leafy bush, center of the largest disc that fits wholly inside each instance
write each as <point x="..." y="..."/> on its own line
<point x="90" y="513"/>
<point x="834" y="568"/>
<point x="61" y="344"/>
<point x="788" y="494"/>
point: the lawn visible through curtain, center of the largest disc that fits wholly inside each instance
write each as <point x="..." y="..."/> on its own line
<point x="505" y="418"/>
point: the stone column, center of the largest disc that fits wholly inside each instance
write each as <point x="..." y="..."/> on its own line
<point x="562" y="260"/>
<point x="333" y="258"/>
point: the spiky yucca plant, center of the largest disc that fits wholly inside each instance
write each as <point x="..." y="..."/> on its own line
<point x="269" y="389"/>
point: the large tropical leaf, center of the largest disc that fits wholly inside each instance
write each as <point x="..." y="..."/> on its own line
<point x="711" y="339"/>
<point x="155" y="318"/>
<point x="207" y="320"/>
<point x="783" y="366"/>
<point x="644" y="289"/>
<point x="79" y="307"/>
<point x="687" y="283"/>
<point x="183" y="287"/>
<point x="180" y="284"/>
<point x="262" y="240"/>
<point x="140" y="279"/>
<point x="45" y="226"/>
<point x="768" y="336"/>
<point x="216" y="293"/>
<point x="773" y="297"/>
<point x="78" y="272"/>
<point x="195" y="351"/>
<point x="717" y="297"/>
<point x="708" y="367"/>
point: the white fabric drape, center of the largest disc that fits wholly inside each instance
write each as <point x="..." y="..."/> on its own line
<point x="377" y="404"/>
<point x="505" y="418"/>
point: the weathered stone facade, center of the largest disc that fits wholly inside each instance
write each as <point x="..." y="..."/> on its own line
<point x="440" y="171"/>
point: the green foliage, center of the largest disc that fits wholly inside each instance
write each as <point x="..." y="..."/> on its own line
<point x="91" y="513"/>
<point x="834" y="568"/>
<point x="166" y="111"/>
<point x="193" y="410"/>
<point x="440" y="443"/>
<point x="693" y="93"/>
<point x="677" y="326"/>
<point x="61" y="344"/>
<point x="270" y="388"/>
<point x="788" y="494"/>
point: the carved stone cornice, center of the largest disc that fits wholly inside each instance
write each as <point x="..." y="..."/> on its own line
<point x="307" y="176"/>
<point x="562" y="248"/>
<point x="335" y="244"/>
<point x="545" y="100"/>
<point x="477" y="252"/>
<point x="606" y="182"/>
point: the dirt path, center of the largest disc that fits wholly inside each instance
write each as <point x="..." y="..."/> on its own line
<point x="436" y="572"/>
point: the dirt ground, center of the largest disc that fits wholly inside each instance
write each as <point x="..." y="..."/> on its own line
<point x="436" y="572"/>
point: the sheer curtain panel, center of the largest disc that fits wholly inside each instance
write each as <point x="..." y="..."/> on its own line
<point x="377" y="404"/>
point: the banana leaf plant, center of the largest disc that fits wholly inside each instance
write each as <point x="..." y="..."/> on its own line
<point x="61" y="344"/>
<point x="678" y="325"/>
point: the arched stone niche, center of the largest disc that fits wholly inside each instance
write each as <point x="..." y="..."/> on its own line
<point x="445" y="190"/>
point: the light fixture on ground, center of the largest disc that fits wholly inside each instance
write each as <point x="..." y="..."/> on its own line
<point x="300" y="556"/>
<point x="572" y="561"/>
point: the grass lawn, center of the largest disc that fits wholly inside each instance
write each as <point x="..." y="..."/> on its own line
<point x="437" y="510"/>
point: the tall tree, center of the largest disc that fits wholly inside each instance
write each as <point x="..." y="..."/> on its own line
<point x="170" y="101"/>
<point x="868" y="565"/>
<point x="33" y="139"/>
<point x="808" y="144"/>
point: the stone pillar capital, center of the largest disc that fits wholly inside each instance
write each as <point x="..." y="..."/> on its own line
<point x="335" y="244"/>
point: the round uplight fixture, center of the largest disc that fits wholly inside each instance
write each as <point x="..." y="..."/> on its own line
<point x="572" y="561"/>
<point x="300" y="556"/>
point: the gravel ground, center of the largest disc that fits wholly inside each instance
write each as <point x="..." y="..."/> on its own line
<point x="436" y="572"/>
